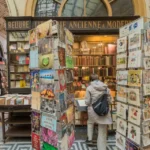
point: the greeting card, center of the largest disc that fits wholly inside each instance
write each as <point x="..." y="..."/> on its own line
<point x="71" y="137"/>
<point x="35" y="121"/>
<point x="122" y="77"/>
<point x="32" y="37"/>
<point x="62" y="103"/>
<point x="134" y="115"/>
<point x="47" y="146"/>
<point x="121" y="61"/>
<point x="61" y="55"/>
<point x="122" y="94"/>
<point x="146" y="114"/>
<point x="69" y="37"/>
<point x="134" y="133"/>
<point x="34" y="80"/>
<point x="70" y="99"/>
<point x="134" y="40"/>
<point x="69" y="76"/>
<point x="36" y="141"/>
<point x="146" y="127"/>
<point x="135" y="60"/>
<point x="146" y="62"/>
<point x="70" y="113"/>
<point x="36" y="101"/>
<point x="122" y="45"/>
<point x="148" y="35"/>
<point x="61" y="76"/>
<point x="147" y="49"/>
<point x="134" y="96"/>
<point x="135" y="78"/>
<point x="61" y="33"/>
<point x="146" y="139"/>
<point x="69" y="50"/>
<point x="120" y="141"/>
<point x="131" y="146"/>
<point x="146" y="89"/>
<point x="121" y="126"/>
<point x="70" y="88"/>
<point x="147" y="102"/>
<point x="146" y="76"/>
<point x="69" y="62"/>
<point x="122" y="110"/>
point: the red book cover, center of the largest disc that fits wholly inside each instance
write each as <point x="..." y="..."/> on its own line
<point x="35" y="141"/>
<point x="61" y="75"/>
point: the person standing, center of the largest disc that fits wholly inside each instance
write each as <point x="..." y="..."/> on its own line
<point x="95" y="89"/>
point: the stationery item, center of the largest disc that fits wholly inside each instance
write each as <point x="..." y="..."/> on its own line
<point x="70" y="113"/>
<point x="69" y="37"/>
<point x="61" y="76"/>
<point x="32" y="37"/>
<point x="122" y="45"/>
<point x="35" y="121"/>
<point x="148" y="35"/>
<point x="146" y="127"/>
<point x="147" y="102"/>
<point x="135" y="78"/>
<point x="122" y="94"/>
<point x="20" y="46"/>
<point x="35" y="103"/>
<point x="70" y="98"/>
<point x="69" y="76"/>
<point x="69" y="50"/>
<point x="34" y="62"/>
<point x="62" y="104"/>
<point x="55" y="27"/>
<point x="122" y="77"/>
<point x="61" y="55"/>
<point x="120" y="141"/>
<point x="146" y="76"/>
<point x="121" y="126"/>
<point x="146" y="139"/>
<point x="147" y="49"/>
<point x="146" y="62"/>
<point x="146" y="89"/>
<point x="35" y="141"/>
<point x="122" y="110"/>
<point x="121" y="61"/>
<point x="146" y="114"/>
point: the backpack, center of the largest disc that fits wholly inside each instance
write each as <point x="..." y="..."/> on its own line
<point x="101" y="106"/>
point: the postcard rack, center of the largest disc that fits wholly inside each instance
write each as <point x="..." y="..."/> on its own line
<point x="133" y="84"/>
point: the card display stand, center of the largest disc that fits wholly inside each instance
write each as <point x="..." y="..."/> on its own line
<point x="51" y="84"/>
<point x="133" y="116"/>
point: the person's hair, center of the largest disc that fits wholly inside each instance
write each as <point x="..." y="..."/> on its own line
<point x="93" y="77"/>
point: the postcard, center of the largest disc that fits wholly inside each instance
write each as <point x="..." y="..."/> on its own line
<point x="70" y="87"/>
<point x="146" y="62"/>
<point x="62" y="81"/>
<point x="146" y="114"/>
<point x="69" y="76"/>
<point x="122" y="77"/>
<point x="35" y="122"/>
<point x="146" y="76"/>
<point x="122" y="110"/>
<point x="146" y="139"/>
<point x="36" y="101"/>
<point x="36" y="141"/>
<point x="121" y="126"/>
<point x="69" y="62"/>
<point x="122" y="45"/>
<point x="32" y="37"/>
<point x="61" y="55"/>
<point x="122" y="94"/>
<point x="69" y="50"/>
<point x="146" y="89"/>
<point x="147" y="102"/>
<point x="62" y="103"/>
<point x="121" y="61"/>
<point x="69" y="37"/>
<point x="70" y="114"/>
<point x="147" y="49"/>
<point x="61" y="33"/>
<point x="120" y="141"/>
<point x="148" y="35"/>
<point x="47" y="146"/>
<point x="34" y="80"/>
<point x="146" y="127"/>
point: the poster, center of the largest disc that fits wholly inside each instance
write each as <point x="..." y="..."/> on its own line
<point x="49" y="121"/>
<point x="120" y="141"/>
<point x="122" y="77"/>
<point x="121" y="126"/>
<point x="122" y="45"/>
<point x="134" y="133"/>
<point x="146" y="127"/>
<point x="35" y="121"/>
<point x="146" y="89"/>
<point x="135" y="60"/>
<point x="70" y="113"/>
<point x="34" y="62"/>
<point x="69" y="62"/>
<point x="36" y="101"/>
<point x="34" y="80"/>
<point x="61" y="76"/>
<point x="146" y="76"/>
<point x="146" y="62"/>
<point x="32" y="37"/>
<point x="134" y="96"/>
<point x="147" y="49"/>
<point x="121" y="61"/>
<point x="122" y="110"/>
<point x="36" y="141"/>
<point x="134" y="115"/>
<point x="134" y="78"/>
<point x="146" y="114"/>
<point x="61" y="55"/>
<point x="146" y="139"/>
<point x="122" y="93"/>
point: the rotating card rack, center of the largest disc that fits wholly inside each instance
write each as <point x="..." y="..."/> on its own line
<point x="133" y="116"/>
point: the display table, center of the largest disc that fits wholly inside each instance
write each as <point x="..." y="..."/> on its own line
<point x="19" y="126"/>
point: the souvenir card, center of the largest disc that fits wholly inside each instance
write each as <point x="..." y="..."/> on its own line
<point x="147" y="49"/>
<point x="61" y="33"/>
<point x="62" y="81"/>
<point x="34" y="80"/>
<point x="48" y="121"/>
<point x="69" y="76"/>
<point x="146" y="127"/>
<point x="49" y="136"/>
<point x="121" y="61"/>
<point x="69" y="37"/>
<point x="70" y="98"/>
<point x="62" y="104"/>
<point x="122" y="77"/>
<point x="36" y="141"/>
<point x="45" y="45"/>
<point x="134" y="96"/>
<point x="69" y="50"/>
<point x="122" y="94"/>
<point x="69" y="62"/>
<point x="146" y="76"/>
<point x="148" y="35"/>
<point x="146" y="89"/>
<point x="131" y="146"/>
<point x="135" y="78"/>
<point x="134" y="115"/>
<point x="44" y="29"/>
<point x="134" y="60"/>
<point x="64" y="143"/>
<point x="146" y="139"/>
<point x="122" y="45"/>
<point x="46" y="61"/>
<point x="35" y="120"/>
<point x="34" y="58"/>
<point x="146" y="62"/>
<point x="47" y="146"/>
<point x="70" y="114"/>
<point x="55" y="27"/>
<point x="122" y="110"/>
<point x="71" y="137"/>
<point x="121" y="126"/>
<point x="146" y="114"/>
<point x="70" y="88"/>
<point x="147" y="102"/>
<point x="61" y="55"/>
<point x="36" y="101"/>
<point x="134" y="40"/>
<point x="120" y="141"/>
<point x="134" y="133"/>
<point x="32" y="37"/>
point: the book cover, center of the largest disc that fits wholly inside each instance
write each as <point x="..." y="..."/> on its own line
<point x="35" y="121"/>
<point x="122" y="110"/>
<point x="120" y="141"/>
<point x="121" y="126"/>
<point x="34" y="57"/>
<point x="121" y="61"/>
<point x="122" y="77"/>
<point x="122" y="45"/>
<point x="122" y="94"/>
<point x="61" y="55"/>
<point x="69" y="62"/>
<point x="36" y="141"/>
<point x="61" y="76"/>
<point x="32" y="37"/>
<point x="70" y="114"/>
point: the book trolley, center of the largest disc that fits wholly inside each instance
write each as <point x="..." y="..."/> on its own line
<point x="51" y="84"/>
<point x="133" y="84"/>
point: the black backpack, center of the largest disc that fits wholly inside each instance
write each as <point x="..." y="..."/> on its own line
<point x="101" y="106"/>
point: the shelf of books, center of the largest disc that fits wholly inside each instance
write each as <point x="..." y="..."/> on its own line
<point x="52" y="86"/>
<point x="99" y="58"/>
<point x="19" y="72"/>
<point x="133" y="84"/>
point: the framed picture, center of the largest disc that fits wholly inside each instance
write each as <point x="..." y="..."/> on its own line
<point x="35" y="121"/>
<point x="134" y="96"/>
<point x="147" y="49"/>
<point x="134" y="60"/>
<point x="122" y="94"/>
<point x="134" y="40"/>
<point x="134" y="78"/>
<point x="146" y="76"/>
<point x="134" y="115"/>
<point x="121" y="126"/>
<point x="146" y="62"/>
<point x="147" y="102"/>
<point x="122" y="77"/>
<point x="122" y="110"/>
<point x="121" y="61"/>
<point x="134" y="133"/>
<point x="36" y="141"/>
<point x="122" y="45"/>
<point x="146" y="114"/>
<point x="146" y="127"/>
<point x="131" y="146"/>
<point x="120" y="141"/>
<point x="146" y="139"/>
<point x="146" y="89"/>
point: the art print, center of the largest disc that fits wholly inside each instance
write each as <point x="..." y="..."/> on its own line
<point x="69" y="50"/>
<point x="146" y="127"/>
<point x="122" y="45"/>
<point x="148" y="35"/>
<point x="70" y="114"/>
<point x="34" y="80"/>
<point x="121" y="61"/>
<point x="69" y="62"/>
<point x="34" y="58"/>
<point x="146" y="89"/>
<point x="134" y="78"/>
<point x="134" y="40"/>
<point x="146" y="63"/>
<point x="49" y="121"/>
<point x="69" y="76"/>
<point x="61" y="76"/>
<point x="121" y="126"/>
<point x="70" y="98"/>
<point x="131" y="146"/>
<point x="70" y="88"/>
<point x="146" y="139"/>
<point x="55" y="26"/>
<point x="36" y="101"/>
<point x="71" y="137"/>
<point x="134" y="60"/>
<point x="32" y="37"/>
<point x="147" y="49"/>
<point x="147" y="102"/>
<point x="122" y="110"/>
<point x="62" y="103"/>
<point x="36" y="141"/>
<point x="134" y="133"/>
<point x="134" y="115"/>
<point x="146" y="76"/>
<point x="69" y="37"/>
<point x="146" y="114"/>
<point x="35" y="121"/>
<point x="134" y="96"/>
<point x="61" y="55"/>
<point x="120" y="141"/>
<point x="49" y="136"/>
<point x="122" y="77"/>
<point x="122" y="94"/>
